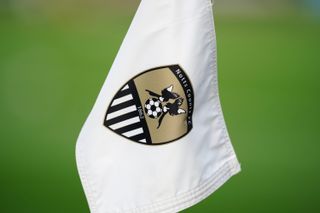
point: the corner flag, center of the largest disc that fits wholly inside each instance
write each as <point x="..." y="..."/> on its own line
<point x="156" y="140"/>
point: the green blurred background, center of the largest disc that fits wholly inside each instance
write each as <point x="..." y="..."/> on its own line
<point x="55" y="55"/>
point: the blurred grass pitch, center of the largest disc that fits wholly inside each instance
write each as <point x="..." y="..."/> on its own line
<point x="52" y="71"/>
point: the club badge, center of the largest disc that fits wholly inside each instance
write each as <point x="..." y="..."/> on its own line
<point x="155" y="107"/>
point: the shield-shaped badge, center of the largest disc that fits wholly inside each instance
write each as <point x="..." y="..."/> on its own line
<point x="155" y="107"/>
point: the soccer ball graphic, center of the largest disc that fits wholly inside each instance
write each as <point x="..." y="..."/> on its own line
<point x="153" y="108"/>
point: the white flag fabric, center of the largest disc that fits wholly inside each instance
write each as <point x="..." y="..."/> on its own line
<point x="156" y="140"/>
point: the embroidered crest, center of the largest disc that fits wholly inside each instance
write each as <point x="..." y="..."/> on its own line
<point x="155" y="107"/>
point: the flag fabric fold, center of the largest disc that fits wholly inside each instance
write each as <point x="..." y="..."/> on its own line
<point x="156" y="140"/>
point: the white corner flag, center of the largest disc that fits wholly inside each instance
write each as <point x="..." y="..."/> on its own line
<point x="156" y="140"/>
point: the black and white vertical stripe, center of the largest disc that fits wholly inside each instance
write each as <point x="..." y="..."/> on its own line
<point x="123" y="116"/>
